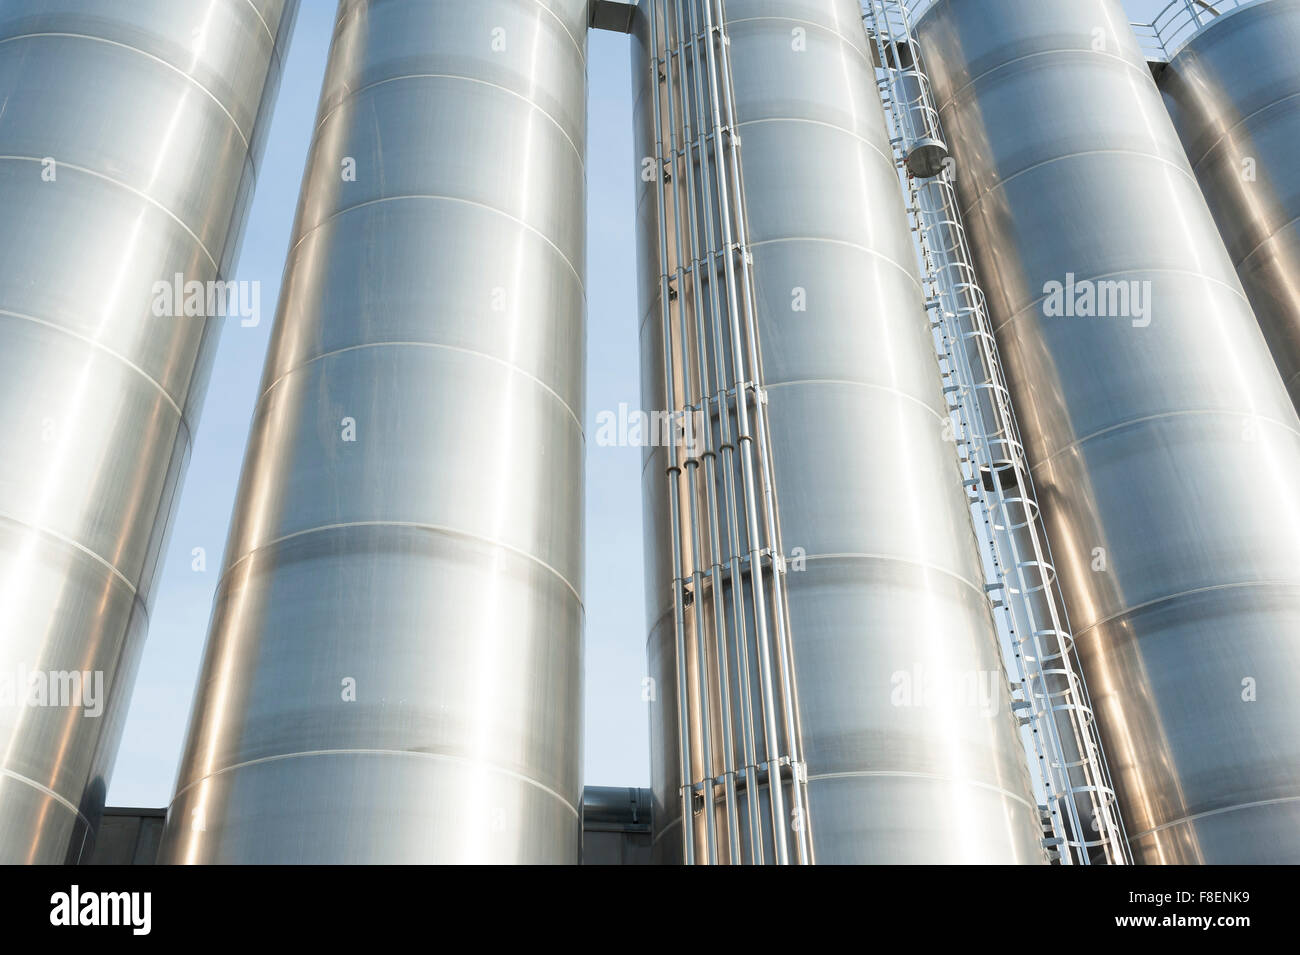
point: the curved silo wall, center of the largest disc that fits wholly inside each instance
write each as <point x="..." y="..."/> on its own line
<point x="394" y="665"/>
<point x="1234" y="94"/>
<point x="129" y="137"/>
<point x="885" y="586"/>
<point x="1162" y="440"/>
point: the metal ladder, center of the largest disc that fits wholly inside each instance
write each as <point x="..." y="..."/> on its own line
<point x="738" y="714"/>
<point x="1079" y="814"/>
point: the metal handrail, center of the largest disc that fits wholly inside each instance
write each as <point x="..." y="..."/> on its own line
<point x="1153" y="48"/>
<point x="1180" y="20"/>
<point x="1162" y="37"/>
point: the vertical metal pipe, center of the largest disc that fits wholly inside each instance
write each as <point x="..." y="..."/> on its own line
<point x="663" y="169"/>
<point x="783" y="669"/>
<point x="708" y="139"/>
<point x="696" y="158"/>
<point x="744" y="382"/>
<point x="394" y="667"/>
<point x="129" y="139"/>
<point x="683" y="178"/>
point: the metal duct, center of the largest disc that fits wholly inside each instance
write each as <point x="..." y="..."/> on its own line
<point x="615" y="808"/>
<point x="394" y="667"/>
<point x="1234" y="94"/>
<point x="1164" y="447"/>
<point x="907" y="759"/>
<point x="129" y="135"/>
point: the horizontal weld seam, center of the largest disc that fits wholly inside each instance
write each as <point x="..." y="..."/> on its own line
<point x="414" y="525"/>
<point x="1212" y="812"/>
<point x="135" y="49"/>
<point x="582" y="54"/>
<point x="28" y="781"/>
<point x="135" y="192"/>
<point x="975" y="588"/>
<point x="1241" y="122"/>
<point x="1131" y="422"/>
<point x="652" y="313"/>
<point x="511" y="366"/>
<point x="1143" y="71"/>
<point x="260" y="19"/>
<point x="911" y="274"/>
<point x="101" y="347"/>
<point x="352" y="94"/>
<point x="1001" y="184"/>
<point x="674" y="822"/>
<point x="817" y="122"/>
<point x="912" y="399"/>
<point x="934" y="777"/>
<point x="1194" y="592"/>
<point x="381" y="752"/>
<point x="772" y="386"/>
<point x="1020" y="312"/>
<point x="1266" y="240"/>
<point x="76" y="545"/>
<point x="441" y="198"/>
<point x="812" y="23"/>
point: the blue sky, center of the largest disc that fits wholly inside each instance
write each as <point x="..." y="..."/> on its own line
<point x="617" y="742"/>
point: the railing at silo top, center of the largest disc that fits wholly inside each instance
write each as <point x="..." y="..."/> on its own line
<point x="1179" y="21"/>
<point x="915" y="8"/>
<point x="1163" y="36"/>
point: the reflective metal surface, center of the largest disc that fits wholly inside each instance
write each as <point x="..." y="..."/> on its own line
<point x="1163" y="443"/>
<point x="1058" y="725"/>
<point x="1234" y="94"/>
<point x="394" y="667"/>
<point x="129" y="133"/>
<point x="909" y="741"/>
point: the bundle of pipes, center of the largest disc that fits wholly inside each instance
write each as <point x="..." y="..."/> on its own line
<point x="763" y="117"/>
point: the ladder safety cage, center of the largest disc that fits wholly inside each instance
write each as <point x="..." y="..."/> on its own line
<point x="1081" y="821"/>
<point x="743" y="783"/>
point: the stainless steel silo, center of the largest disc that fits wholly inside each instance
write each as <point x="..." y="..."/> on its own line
<point x="884" y="583"/>
<point x="394" y="666"/>
<point x="1234" y="94"/>
<point x="129" y="138"/>
<point x="1162" y="441"/>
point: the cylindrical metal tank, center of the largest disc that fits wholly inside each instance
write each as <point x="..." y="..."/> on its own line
<point x="394" y="665"/>
<point x="129" y="137"/>
<point x="1234" y="94"/>
<point x="1163" y="444"/>
<point x="886" y="605"/>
